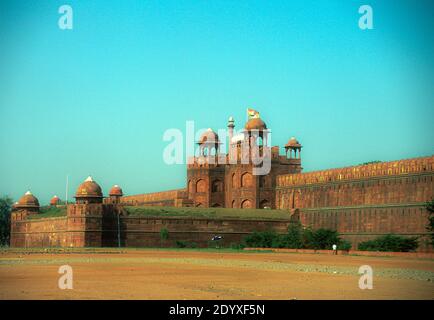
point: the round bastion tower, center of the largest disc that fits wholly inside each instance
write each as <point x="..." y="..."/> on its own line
<point x="28" y="203"/>
<point x="115" y="194"/>
<point x="88" y="192"/>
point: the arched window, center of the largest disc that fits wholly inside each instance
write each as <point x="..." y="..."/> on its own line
<point x="234" y="180"/>
<point x="200" y="186"/>
<point x="217" y="186"/>
<point x="246" y="180"/>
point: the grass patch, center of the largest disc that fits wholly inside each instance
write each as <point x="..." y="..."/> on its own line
<point x="206" y="212"/>
<point x="49" y="212"/>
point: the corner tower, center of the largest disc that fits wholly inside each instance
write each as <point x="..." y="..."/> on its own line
<point x="205" y="173"/>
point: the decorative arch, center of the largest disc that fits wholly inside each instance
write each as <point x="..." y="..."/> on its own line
<point x="217" y="186"/>
<point x="246" y="180"/>
<point x="190" y="186"/>
<point x="246" y="204"/>
<point x="201" y="185"/>
<point x="233" y="204"/>
<point x="234" y="180"/>
<point x="216" y="205"/>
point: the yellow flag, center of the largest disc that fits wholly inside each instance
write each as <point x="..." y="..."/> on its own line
<point x="252" y="113"/>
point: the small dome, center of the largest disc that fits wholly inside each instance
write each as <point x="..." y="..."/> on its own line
<point x="209" y="137"/>
<point x="54" y="200"/>
<point x="255" y="124"/>
<point x="89" y="189"/>
<point x="28" y="200"/>
<point x="293" y="143"/>
<point x="116" y="191"/>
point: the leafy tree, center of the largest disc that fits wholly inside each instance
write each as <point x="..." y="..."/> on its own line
<point x="325" y="239"/>
<point x="5" y="218"/>
<point x="430" y="207"/>
<point x="293" y="239"/>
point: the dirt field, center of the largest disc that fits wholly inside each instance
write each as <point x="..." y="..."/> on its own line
<point x="192" y="274"/>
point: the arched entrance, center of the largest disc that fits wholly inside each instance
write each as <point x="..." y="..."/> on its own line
<point x="264" y="204"/>
<point x="246" y="204"/>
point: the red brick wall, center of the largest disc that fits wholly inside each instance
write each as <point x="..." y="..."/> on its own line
<point x="363" y="202"/>
<point x="139" y="232"/>
<point x="164" y="198"/>
<point x="96" y="225"/>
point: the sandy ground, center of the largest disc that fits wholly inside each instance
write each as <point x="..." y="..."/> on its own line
<point x="172" y="274"/>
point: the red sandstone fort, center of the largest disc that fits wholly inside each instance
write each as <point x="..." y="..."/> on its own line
<point x="360" y="202"/>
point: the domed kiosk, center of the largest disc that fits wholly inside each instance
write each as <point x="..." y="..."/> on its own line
<point x="209" y="143"/>
<point x="28" y="202"/>
<point x="293" y="147"/>
<point x="115" y="194"/>
<point x="88" y="192"/>
<point x="54" y="201"/>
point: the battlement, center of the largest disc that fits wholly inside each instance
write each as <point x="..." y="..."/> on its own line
<point x="162" y="197"/>
<point x="399" y="167"/>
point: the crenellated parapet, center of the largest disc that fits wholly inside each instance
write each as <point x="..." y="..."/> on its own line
<point x="156" y="198"/>
<point x="392" y="168"/>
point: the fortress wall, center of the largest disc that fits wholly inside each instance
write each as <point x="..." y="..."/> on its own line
<point x="95" y="225"/>
<point x="140" y="232"/>
<point x="363" y="202"/>
<point x="392" y="168"/>
<point x="81" y="227"/>
<point x="398" y="182"/>
<point x="47" y="232"/>
<point x="358" y="223"/>
<point x="164" y="198"/>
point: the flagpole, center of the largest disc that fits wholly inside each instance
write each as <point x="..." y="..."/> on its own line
<point x="66" y="191"/>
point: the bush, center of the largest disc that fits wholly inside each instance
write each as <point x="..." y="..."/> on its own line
<point x="324" y="239"/>
<point x="297" y="238"/>
<point x="390" y="242"/>
<point x="293" y="239"/>
<point x="344" y="245"/>
<point x="264" y="239"/>
<point x="5" y="222"/>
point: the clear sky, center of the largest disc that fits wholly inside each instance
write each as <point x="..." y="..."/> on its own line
<point x="97" y="99"/>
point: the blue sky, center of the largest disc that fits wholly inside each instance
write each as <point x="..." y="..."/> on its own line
<point x="97" y="99"/>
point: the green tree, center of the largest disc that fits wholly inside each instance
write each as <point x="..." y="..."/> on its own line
<point x="293" y="239"/>
<point x="325" y="239"/>
<point x="430" y="207"/>
<point x="5" y="220"/>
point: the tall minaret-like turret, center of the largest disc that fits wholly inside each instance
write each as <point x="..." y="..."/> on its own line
<point x="231" y="127"/>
